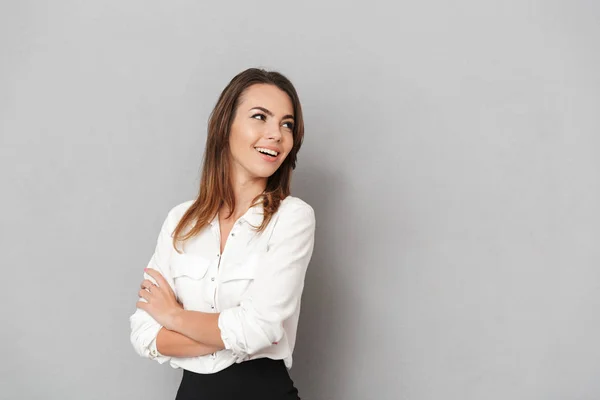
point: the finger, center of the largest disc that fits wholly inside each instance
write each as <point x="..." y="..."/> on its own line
<point x="142" y="305"/>
<point x="146" y="284"/>
<point x="144" y="294"/>
<point x="160" y="280"/>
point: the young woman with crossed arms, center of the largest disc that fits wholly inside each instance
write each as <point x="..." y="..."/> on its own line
<point x="221" y="294"/>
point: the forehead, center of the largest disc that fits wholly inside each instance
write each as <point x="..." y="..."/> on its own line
<point x="267" y="96"/>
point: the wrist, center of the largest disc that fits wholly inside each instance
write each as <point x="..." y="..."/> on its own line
<point x="174" y="320"/>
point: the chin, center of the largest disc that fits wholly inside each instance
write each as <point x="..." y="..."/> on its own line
<point x="263" y="174"/>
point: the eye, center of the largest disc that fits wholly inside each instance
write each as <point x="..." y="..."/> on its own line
<point x="290" y="125"/>
<point x="259" y="116"/>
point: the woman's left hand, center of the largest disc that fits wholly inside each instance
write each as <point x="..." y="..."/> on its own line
<point x="161" y="302"/>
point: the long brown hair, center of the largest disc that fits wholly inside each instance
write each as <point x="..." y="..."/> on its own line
<point x="215" y="184"/>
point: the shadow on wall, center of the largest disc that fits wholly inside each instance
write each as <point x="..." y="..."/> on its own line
<point x="323" y="312"/>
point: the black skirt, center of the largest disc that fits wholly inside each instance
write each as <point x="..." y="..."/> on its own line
<point x="260" y="379"/>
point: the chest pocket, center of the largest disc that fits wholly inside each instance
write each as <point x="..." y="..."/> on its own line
<point x="189" y="273"/>
<point x="236" y="280"/>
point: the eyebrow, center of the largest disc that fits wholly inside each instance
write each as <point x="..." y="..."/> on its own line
<point x="270" y="114"/>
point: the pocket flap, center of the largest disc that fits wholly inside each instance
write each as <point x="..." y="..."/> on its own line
<point x="188" y="265"/>
<point x="244" y="270"/>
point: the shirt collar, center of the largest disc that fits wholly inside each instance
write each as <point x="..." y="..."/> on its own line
<point x="254" y="216"/>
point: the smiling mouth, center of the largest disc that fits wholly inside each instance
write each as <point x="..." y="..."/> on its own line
<point x="268" y="152"/>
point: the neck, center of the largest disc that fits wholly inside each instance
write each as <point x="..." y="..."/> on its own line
<point x="245" y="189"/>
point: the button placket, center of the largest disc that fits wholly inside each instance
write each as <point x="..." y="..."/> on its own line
<point x="213" y="280"/>
<point x="213" y="355"/>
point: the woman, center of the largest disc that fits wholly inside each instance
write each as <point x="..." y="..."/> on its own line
<point x="221" y="294"/>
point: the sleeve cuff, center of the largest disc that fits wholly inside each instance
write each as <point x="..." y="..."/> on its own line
<point x="227" y="318"/>
<point x="154" y="354"/>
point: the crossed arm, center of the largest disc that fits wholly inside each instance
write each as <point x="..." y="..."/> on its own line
<point x="175" y="344"/>
<point x="255" y="324"/>
<point x="183" y="333"/>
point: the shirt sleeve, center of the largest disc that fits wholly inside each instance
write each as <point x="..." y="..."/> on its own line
<point x="257" y="323"/>
<point x="144" y="328"/>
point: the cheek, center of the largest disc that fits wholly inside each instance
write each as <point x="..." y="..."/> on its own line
<point x="234" y="147"/>
<point x="289" y="144"/>
<point x="239" y="142"/>
<point x="244" y="135"/>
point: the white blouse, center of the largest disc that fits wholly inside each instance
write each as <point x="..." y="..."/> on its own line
<point x="256" y="284"/>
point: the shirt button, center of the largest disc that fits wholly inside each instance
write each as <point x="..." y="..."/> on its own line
<point x="212" y="307"/>
<point x="232" y="234"/>
<point x="153" y="352"/>
<point x="212" y="279"/>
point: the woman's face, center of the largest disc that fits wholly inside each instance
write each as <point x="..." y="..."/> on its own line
<point x="261" y="134"/>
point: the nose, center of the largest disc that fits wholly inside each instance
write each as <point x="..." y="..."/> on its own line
<point x="274" y="133"/>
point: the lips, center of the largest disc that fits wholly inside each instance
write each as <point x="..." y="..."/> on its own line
<point x="268" y="150"/>
<point x="267" y="157"/>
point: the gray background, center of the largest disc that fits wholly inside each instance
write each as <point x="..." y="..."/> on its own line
<point x="451" y="156"/>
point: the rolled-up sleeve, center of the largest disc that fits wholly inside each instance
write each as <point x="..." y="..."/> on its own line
<point x="275" y="295"/>
<point x="144" y="328"/>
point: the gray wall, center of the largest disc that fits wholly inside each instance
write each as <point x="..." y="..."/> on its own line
<point x="451" y="155"/>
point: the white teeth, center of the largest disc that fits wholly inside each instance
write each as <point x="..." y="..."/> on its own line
<point x="267" y="151"/>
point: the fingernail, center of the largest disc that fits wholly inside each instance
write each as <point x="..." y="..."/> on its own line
<point x="145" y="269"/>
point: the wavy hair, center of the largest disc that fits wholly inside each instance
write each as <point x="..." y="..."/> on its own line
<point x="215" y="184"/>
